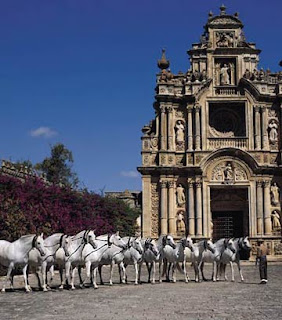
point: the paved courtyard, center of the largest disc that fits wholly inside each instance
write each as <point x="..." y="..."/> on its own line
<point x="167" y="301"/>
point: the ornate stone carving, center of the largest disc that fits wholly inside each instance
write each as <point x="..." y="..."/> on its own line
<point x="180" y="196"/>
<point x="180" y="222"/>
<point x="228" y="173"/>
<point x="274" y="194"/>
<point x="179" y="132"/>
<point x="276" y="221"/>
<point x="154" y="143"/>
<point x="154" y="210"/>
<point x="273" y="131"/>
<point x="277" y="248"/>
<point x="180" y="160"/>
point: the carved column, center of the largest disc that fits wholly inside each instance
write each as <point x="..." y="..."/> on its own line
<point x="267" y="213"/>
<point x="163" y="127"/>
<point x="264" y="128"/>
<point x="259" y="208"/>
<point x="170" y="128"/>
<point x="163" y="185"/>
<point x="257" y="128"/>
<point x="146" y="204"/>
<point x="191" y="209"/>
<point x="190" y="129"/>
<point x="197" y="128"/>
<point x="199" y="218"/>
<point x="171" y="206"/>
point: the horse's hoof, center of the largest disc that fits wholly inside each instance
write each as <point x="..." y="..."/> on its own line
<point x="153" y="282"/>
<point x="3" y="290"/>
<point x="232" y="280"/>
<point x="161" y="281"/>
<point x="45" y="290"/>
<point x="173" y="281"/>
<point x="96" y="287"/>
<point x="61" y="287"/>
<point x="73" y="288"/>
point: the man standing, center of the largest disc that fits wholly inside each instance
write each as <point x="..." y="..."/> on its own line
<point x="262" y="252"/>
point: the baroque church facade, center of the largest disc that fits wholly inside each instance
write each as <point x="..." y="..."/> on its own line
<point x="212" y="157"/>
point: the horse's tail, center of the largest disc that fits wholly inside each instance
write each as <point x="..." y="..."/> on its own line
<point x="179" y="268"/>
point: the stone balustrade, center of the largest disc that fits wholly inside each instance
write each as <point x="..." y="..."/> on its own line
<point x="216" y="143"/>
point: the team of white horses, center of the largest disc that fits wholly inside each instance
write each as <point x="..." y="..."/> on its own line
<point x="86" y="250"/>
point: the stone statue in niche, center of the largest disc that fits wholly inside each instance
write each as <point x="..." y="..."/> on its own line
<point x="276" y="223"/>
<point x="180" y="195"/>
<point x="179" y="132"/>
<point x="180" y="222"/>
<point x="224" y="75"/>
<point x="274" y="193"/>
<point x="228" y="173"/>
<point x="273" y="131"/>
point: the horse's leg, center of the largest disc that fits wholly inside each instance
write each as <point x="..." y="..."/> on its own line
<point x="72" y="277"/>
<point x="167" y="272"/>
<point x="160" y="269"/>
<point x="232" y="271"/>
<point x="123" y="272"/>
<point x="111" y="272"/>
<point x="153" y="264"/>
<point x="217" y="271"/>
<point x="202" y="271"/>
<point x="52" y="273"/>
<point x="81" y="284"/>
<point x="186" y="277"/>
<point x="88" y="272"/>
<point x="44" y="276"/>
<point x="68" y="271"/>
<point x="224" y="272"/>
<point x="136" y="272"/>
<point x="27" y="287"/>
<point x="95" y="278"/>
<point x="8" y="277"/>
<point x="173" y="271"/>
<point x="61" y="278"/>
<point x="12" y="280"/>
<point x="196" y="270"/>
<point x="100" y="274"/>
<point x="240" y="270"/>
<point x="214" y="271"/>
<point x="149" y="271"/>
<point x="139" y="272"/>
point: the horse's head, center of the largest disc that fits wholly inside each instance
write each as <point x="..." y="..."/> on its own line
<point x="170" y="241"/>
<point x="210" y="246"/>
<point x="38" y="243"/>
<point x="189" y="243"/>
<point x="229" y="244"/>
<point x="65" y="243"/>
<point x="90" y="238"/>
<point x="137" y="245"/>
<point x="244" y="244"/>
<point x="117" y="240"/>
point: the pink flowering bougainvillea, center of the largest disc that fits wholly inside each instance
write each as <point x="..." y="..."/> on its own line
<point x="32" y="207"/>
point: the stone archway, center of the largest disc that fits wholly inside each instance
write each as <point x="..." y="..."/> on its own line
<point x="228" y="185"/>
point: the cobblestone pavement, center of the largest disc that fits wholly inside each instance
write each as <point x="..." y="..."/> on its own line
<point x="166" y="301"/>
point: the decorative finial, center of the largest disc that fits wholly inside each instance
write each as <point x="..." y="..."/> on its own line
<point x="222" y="9"/>
<point x="210" y="14"/>
<point x="163" y="63"/>
<point x="236" y="14"/>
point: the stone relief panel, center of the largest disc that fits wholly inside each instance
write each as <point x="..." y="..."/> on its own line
<point x="154" y="210"/>
<point x="228" y="172"/>
<point x="225" y="39"/>
<point x="180" y="160"/>
<point x="277" y="248"/>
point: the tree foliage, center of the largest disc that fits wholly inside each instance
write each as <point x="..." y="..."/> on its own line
<point x="58" y="167"/>
<point x="32" y="206"/>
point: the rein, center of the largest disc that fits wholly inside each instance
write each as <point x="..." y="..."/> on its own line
<point x="95" y="250"/>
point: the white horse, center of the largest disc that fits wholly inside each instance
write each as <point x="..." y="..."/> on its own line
<point x="173" y="253"/>
<point x="92" y="257"/>
<point x="114" y="255"/>
<point x="74" y="247"/>
<point x="230" y="256"/>
<point x="133" y="255"/>
<point x="151" y="256"/>
<point x="46" y="262"/>
<point x="14" y="254"/>
<point x="214" y="256"/>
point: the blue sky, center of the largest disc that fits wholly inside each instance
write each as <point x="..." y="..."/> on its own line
<point x="82" y="72"/>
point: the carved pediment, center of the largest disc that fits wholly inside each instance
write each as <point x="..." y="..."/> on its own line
<point x="228" y="172"/>
<point x="225" y="20"/>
